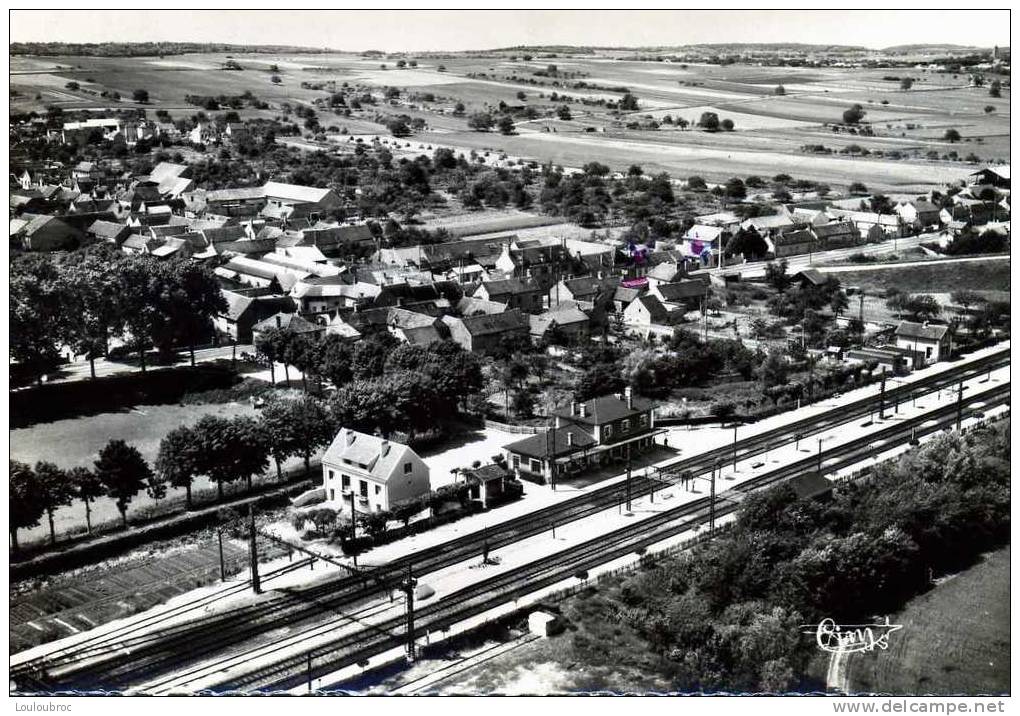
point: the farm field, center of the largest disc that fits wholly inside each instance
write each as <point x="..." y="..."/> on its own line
<point x="770" y="129"/>
<point x="955" y="639"/>
<point x="982" y="276"/>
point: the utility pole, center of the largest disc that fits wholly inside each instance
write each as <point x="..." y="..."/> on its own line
<point x="223" y="567"/>
<point x="881" y="399"/>
<point x="256" y="583"/>
<point x="819" y="456"/>
<point x="959" y="405"/>
<point x="711" y="498"/>
<point x="797" y="446"/>
<point x="734" y="447"/>
<point x="409" y="585"/>
<point x="628" y="477"/>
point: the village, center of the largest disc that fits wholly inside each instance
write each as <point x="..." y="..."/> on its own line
<point x="228" y="326"/>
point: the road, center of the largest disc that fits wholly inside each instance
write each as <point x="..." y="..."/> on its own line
<point x="804" y="261"/>
<point x="81" y="370"/>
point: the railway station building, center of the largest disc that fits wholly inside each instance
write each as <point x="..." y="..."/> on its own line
<point x="596" y="433"/>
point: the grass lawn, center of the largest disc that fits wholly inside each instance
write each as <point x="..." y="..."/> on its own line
<point x="955" y="639"/>
<point x="936" y="278"/>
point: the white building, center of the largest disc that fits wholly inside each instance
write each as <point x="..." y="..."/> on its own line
<point x="378" y="473"/>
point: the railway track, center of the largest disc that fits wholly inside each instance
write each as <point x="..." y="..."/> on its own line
<point x="142" y="651"/>
<point x="293" y="670"/>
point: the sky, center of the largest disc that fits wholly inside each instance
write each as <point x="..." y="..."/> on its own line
<point x="423" y="30"/>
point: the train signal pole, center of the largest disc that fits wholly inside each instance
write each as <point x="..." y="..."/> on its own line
<point x="408" y="586"/>
<point x="256" y="583"/>
<point x="881" y="399"/>
<point x="711" y="497"/>
<point x="628" y="477"/>
<point x="959" y="405"/>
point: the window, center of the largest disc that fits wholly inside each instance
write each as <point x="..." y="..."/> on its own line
<point x="408" y="467"/>
<point x="378" y="489"/>
<point x="644" y="420"/>
<point x="536" y="466"/>
<point x="331" y="475"/>
<point x="332" y="494"/>
<point x="927" y="353"/>
<point x="363" y="488"/>
<point x="345" y="482"/>
<point x="625" y="426"/>
<point x="607" y="431"/>
<point x="515" y="461"/>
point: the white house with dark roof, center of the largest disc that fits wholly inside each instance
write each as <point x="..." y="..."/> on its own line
<point x="374" y="472"/>
<point x="929" y="342"/>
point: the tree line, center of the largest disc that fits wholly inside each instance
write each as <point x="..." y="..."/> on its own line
<point x="88" y="298"/>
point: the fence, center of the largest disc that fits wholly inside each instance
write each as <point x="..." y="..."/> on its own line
<point x="519" y="429"/>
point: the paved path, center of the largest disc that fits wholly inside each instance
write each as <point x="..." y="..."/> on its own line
<point x="905" y="264"/>
<point x="80" y="369"/>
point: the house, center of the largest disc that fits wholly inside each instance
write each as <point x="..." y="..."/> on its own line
<point x="667" y="272"/>
<point x="928" y="341"/>
<point x="796" y="242"/>
<point x="872" y="225"/>
<point x="244" y="311"/>
<point x="681" y="295"/>
<point x="415" y="328"/>
<point x="646" y="310"/>
<point x="45" y="233"/>
<point x="590" y="434"/>
<point x="897" y="361"/>
<point x="565" y="321"/>
<point x="626" y="295"/>
<point x="836" y="235"/>
<point x="487" y="333"/>
<point x="109" y="231"/>
<point x="591" y="293"/>
<point x="288" y="322"/>
<point x="487" y="484"/>
<point x="996" y="176"/>
<point x="808" y="277"/>
<point x="171" y="179"/>
<point x="471" y="306"/>
<point x="919" y="214"/>
<point x="524" y="294"/>
<point x="470" y="273"/>
<point x="773" y="224"/>
<point x="371" y="473"/>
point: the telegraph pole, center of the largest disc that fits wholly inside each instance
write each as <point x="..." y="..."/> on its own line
<point x="628" y="477"/>
<point x="256" y="583"/>
<point x="959" y="405"/>
<point x="223" y="567"/>
<point x="819" y="456"/>
<point x="734" y="447"/>
<point x="409" y="585"/>
<point x="881" y="399"/>
<point x="711" y="498"/>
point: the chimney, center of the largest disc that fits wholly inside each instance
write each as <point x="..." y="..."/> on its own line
<point x="582" y="410"/>
<point x="350" y="436"/>
<point x="630" y="397"/>
<point x="570" y="439"/>
<point x="573" y="408"/>
<point x="278" y="320"/>
<point x="384" y="448"/>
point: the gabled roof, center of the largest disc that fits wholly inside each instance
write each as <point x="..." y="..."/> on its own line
<point x="287" y="321"/>
<point x="369" y="454"/>
<point x="564" y="315"/>
<point x="107" y="229"/>
<point x="656" y="310"/>
<point x="606" y="409"/>
<point x="552" y="443"/>
<point x="469" y="306"/>
<point x="512" y="286"/>
<point x="625" y="295"/>
<point x="294" y="192"/>
<point x="924" y="331"/>
<point x="682" y="289"/>
<point x="488" y="324"/>
<point x="812" y="276"/>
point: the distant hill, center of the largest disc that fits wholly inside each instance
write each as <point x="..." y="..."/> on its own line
<point x="934" y="49"/>
<point x="147" y="49"/>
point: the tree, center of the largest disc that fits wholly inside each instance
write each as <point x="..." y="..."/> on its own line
<point x="178" y="459"/>
<point x="773" y="371"/>
<point x="854" y="115"/>
<point x="951" y="135"/>
<point x="73" y="86"/>
<point x="735" y="188"/>
<point x="90" y="289"/>
<point x="709" y="121"/>
<point x="727" y="125"/>
<point x="267" y="347"/>
<point x="231" y="449"/>
<point x="141" y="96"/>
<point x="276" y="79"/>
<point x="563" y="112"/>
<point x="857" y="188"/>
<point x="398" y="127"/>
<point x="56" y="491"/>
<point x="780" y="90"/>
<point x="966" y="298"/>
<point x="923" y="307"/>
<point x="295" y="427"/>
<point x="124" y="473"/>
<point x="26" y="500"/>
<point x="459" y="109"/>
<point x="37" y="313"/>
<point x="334" y="360"/>
<point x="995" y="89"/>
<point x="629" y="103"/>
<point x="906" y="83"/>
<point x="481" y="121"/>
<point x="85" y="486"/>
<point x="505" y="124"/>
<point x="776" y="275"/>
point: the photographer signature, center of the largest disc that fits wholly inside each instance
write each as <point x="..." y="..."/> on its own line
<point x="851" y="638"/>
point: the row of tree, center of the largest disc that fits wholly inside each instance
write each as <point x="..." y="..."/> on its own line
<point x="89" y="297"/>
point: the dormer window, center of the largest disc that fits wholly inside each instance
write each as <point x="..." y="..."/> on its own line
<point x="607" y="431"/>
<point x="625" y="426"/>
